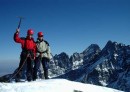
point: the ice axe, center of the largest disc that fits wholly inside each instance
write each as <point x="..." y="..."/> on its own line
<point x="20" y="21"/>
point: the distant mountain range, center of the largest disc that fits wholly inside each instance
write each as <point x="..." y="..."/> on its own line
<point x="108" y="67"/>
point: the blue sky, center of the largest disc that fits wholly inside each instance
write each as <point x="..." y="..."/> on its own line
<point x="68" y="25"/>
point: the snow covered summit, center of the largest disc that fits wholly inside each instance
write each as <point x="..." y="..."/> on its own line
<point x="53" y="85"/>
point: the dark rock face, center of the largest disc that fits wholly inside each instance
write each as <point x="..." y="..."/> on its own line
<point x="107" y="67"/>
<point x="113" y="69"/>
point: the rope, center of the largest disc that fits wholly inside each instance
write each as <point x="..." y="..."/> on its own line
<point x="20" y="67"/>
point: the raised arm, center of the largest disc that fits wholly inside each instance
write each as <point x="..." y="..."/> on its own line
<point x="16" y="37"/>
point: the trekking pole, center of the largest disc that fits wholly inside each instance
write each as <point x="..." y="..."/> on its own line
<point x="20" y="21"/>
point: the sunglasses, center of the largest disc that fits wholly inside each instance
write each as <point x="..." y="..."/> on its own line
<point x="30" y="35"/>
<point x="40" y="36"/>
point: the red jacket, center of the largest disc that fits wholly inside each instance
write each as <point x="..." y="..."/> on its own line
<point x="30" y="44"/>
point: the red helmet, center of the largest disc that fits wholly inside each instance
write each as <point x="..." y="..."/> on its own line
<point x="30" y="32"/>
<point x="40" y="34"/>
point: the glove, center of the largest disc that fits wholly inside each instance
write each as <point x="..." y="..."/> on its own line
<point x="49" y="56"/>
<point x="17" y="30"/>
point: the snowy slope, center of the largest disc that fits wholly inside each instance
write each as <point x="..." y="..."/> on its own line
<point x="52" y="85"/>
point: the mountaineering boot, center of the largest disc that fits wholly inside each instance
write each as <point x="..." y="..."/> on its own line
<point x="46" y="74"/>
<point x="17" y="80"/>
<point x="29" y="77"/>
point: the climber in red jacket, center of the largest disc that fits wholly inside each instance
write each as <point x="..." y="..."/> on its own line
<point x="27" y="55"/>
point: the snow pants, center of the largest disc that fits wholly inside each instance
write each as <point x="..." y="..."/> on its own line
<point x="37" y="69"/>
<point x="25" y="66"/>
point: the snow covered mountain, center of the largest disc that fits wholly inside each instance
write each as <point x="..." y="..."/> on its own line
<point x="107" y="67"/>
<point x="62" y="63"/>
<point x="53" y="85"/>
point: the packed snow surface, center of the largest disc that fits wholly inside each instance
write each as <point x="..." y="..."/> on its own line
<point x="53" y="85"/>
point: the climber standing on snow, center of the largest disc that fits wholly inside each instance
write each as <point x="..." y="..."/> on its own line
<point x="43" y="56"/>
<point x="25" y="69"/>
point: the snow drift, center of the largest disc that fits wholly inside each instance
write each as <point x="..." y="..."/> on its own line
<point x="53" y="85"/>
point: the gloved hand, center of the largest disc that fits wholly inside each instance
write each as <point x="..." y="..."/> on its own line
<point x="17" y="30"/>
<point x="49" y="56"/>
